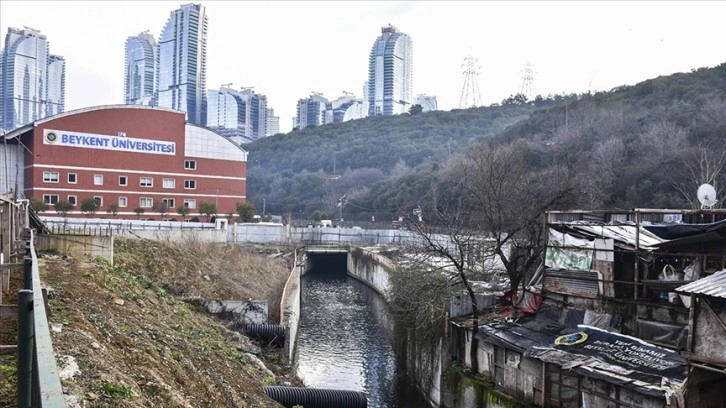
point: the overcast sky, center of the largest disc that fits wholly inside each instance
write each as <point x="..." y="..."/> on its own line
<point x="286" y="50"/>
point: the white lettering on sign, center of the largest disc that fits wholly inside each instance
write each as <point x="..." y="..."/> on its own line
<point x="107" y="142"/>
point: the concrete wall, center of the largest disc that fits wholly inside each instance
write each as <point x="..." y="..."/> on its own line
<point x="77" y="246"/>
<point x="209" y="235"/>
<point x="252" y="311"/>
<point x="290" y="309"/>
<point x="370" y="268"/>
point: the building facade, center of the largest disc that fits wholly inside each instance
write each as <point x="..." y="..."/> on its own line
<point x="32" y="82"/>
<point x="345" y="108"/>
<point x="390" y="67"/>
<point x="237" y="113"/>
<point x="56" y="85"/>
<point x="182" y="63"/>
<point x="273" y="123"/>
<point x="310" y="111"/>
<point x="427" y="102"/>
<point x="140" y="70"/>
<point x="129" y="159"/>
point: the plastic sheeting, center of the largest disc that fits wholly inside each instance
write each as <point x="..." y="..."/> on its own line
<point x="663" y="333"/>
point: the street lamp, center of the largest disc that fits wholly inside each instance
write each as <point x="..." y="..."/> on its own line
<point x="341" y="203"/>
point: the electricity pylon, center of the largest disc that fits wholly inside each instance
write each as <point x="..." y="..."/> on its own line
<point x="470" y="96"/>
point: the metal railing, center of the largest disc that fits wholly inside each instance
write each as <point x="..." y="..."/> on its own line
<point x="38" y="381"/>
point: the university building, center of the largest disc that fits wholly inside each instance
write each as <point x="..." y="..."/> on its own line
<point x="133" y="156"/>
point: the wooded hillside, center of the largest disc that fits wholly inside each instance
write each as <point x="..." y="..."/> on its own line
<point x="644" y="146"/>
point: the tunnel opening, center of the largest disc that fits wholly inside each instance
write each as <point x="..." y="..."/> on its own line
<point x="327" y="265"/>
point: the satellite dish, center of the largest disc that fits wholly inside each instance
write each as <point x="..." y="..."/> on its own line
<point x="706" y="195"/>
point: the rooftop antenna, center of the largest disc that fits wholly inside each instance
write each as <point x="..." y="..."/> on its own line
<point x="470" y="96"/>
<point x="706" y="196"/>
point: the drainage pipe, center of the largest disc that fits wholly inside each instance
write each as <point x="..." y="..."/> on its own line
<point x="316" y="397"/>
<point x="269" y="334"/>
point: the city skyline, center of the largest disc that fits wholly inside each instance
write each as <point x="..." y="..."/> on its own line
<point x="572" y="46"/>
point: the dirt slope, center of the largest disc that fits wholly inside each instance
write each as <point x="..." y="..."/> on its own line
<point x="136" y="341"/>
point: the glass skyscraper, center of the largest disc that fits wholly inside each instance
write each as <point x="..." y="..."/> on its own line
<point x="237" y="113"/>
<point x="182" y="63"/>
<point x="390" y="81"/>
<point x="140" y="70"/>
<point x="32" y="82"/>
<point x="56" y="85"/>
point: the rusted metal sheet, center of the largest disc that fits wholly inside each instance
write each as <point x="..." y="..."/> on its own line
<point x="714" y="285"/>
<point x="578" y="283"/>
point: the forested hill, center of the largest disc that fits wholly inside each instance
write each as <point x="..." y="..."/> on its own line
<point x="647" y="145"/>
<point x="293" y="171"/>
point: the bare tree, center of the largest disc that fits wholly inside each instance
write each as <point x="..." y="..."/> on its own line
<point x="702" y="164"/>
<point x="489" y="207"/>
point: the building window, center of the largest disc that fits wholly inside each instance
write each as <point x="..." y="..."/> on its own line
<point x="98" y="200"/>
<point x="72" y="199"/>
<point x="190" y="164"/>
<point x="98" y="179"/>
<point x="169" y="183"/>
<point x="145" y="202"/>
<point x="123" y="202"/>
<point x="190" y="184"/>
<point x="190" y="203"/>
<point x="50" y="176"/>
<point x="169" y="202"/>
<point x="50" y="198"/>
<point x="123" y="181"/>
<point x="72" y="178"/>
<point x="146" y="182"/>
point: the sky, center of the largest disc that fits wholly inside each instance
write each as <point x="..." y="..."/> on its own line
<point x="288" y="49"/>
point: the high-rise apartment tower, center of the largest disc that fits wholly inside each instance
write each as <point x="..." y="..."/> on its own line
<point x="182" y="63"/>
<point x="32" y="82"/>
<point x="390" y="81"/>
<point x="140" y="70"/>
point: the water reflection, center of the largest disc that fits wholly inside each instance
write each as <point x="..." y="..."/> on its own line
<point x="345" y="342"/>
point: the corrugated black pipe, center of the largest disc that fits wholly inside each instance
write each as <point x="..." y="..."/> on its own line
<point x="316" y="397"/>
<point x="268" y="334"/>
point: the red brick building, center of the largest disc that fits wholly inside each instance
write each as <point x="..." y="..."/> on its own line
<point x="128" y="155"/>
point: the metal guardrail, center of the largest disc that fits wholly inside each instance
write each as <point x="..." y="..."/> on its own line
<point x="38" y="381"/>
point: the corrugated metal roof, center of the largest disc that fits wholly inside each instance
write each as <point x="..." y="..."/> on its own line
<point x="714" y="285"/>
<point x="625" y="234"/>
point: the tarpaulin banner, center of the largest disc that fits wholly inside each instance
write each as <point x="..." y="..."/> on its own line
<point x="621" y="350"/>
<point x="567" y="252"/>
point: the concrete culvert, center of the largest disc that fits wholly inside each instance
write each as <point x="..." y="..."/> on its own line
<point x="317" y="397"/>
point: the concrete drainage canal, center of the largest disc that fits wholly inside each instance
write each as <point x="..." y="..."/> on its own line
<point x="345" y="346"/>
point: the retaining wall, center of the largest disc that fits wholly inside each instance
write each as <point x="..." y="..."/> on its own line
<point x="77" y="246"/>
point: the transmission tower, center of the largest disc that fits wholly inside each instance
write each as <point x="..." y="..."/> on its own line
<point x="470" y="96"/>
<point x="528" y="82"/>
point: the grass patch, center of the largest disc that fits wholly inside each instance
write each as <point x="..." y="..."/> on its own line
<point x="116" y="390"/>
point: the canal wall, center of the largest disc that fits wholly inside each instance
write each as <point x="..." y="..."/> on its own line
<point x="370" y="268"/>
<point x="373" y="269"/>
<point x="290" y="307"/>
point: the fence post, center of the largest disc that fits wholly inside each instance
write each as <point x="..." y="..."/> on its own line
<point x="28" y="273"/>
<point x="25" y="347"/>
